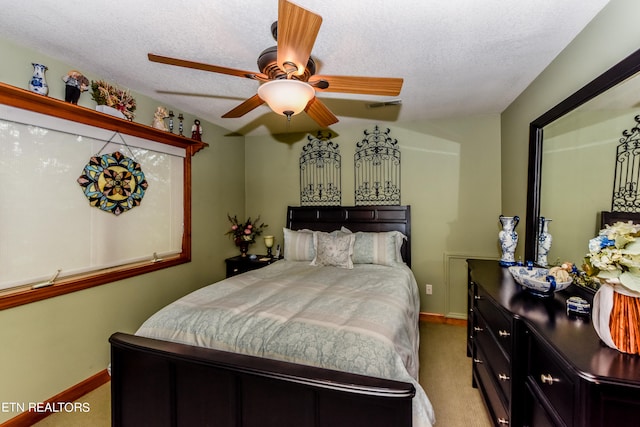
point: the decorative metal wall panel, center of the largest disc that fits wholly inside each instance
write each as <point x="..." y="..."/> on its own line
<point x="627" y="174"/>
<point x="377" y="169"/>
<point x="320" y="174"/>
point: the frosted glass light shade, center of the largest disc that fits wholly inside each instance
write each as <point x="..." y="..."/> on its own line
<point x="286" y="97"/>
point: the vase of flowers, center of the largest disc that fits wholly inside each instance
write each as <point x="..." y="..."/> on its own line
<point x="614" y="258"/>
<point x="244" y="234"/>
<point x="113" y="100"/>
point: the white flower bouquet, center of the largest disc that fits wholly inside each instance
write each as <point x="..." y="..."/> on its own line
<point x="614" y="255"/>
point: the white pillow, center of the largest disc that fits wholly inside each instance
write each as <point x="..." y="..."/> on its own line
<point x="377" y="248"/>
<point x="333" y="249"/>
<point x="298" y="245"/>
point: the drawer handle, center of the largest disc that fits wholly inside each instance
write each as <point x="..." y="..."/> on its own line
<point x="503" y="333"/>
<point x="503" y="377"/>
<point x="478" y="329"/>
<point x="477" y="361"/>
<point x="503" y="421"/>
<point x="548" y="379"/>
<point x="477" y="297"/>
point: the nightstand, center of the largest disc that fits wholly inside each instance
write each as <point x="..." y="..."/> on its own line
<point x="237" y="264"/>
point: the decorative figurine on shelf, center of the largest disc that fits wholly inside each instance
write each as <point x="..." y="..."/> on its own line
<point x="158" y="118"/>
<point x="38" y="83"/>
<point x="170" y="121"/>
<point x="196" y="130"/>
<point x="180" y="127"/>
<point x="75" y="84"/>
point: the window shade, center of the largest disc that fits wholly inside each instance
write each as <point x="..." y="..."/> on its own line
<point x="46" y="222"/>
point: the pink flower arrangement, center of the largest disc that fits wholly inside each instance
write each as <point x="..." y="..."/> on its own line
<point x="245" y="232"/>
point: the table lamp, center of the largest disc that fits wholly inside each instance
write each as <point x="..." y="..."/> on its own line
<point x="268" y="242"/>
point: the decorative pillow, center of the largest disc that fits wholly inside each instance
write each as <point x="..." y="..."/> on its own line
<point x="333" y="249"/>
<point x="298" y="245"/>
<point x="377" y="248"/>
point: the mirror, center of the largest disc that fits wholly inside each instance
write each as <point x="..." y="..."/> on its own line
<point x="572" y="150"/>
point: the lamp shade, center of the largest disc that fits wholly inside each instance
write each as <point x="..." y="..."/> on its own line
<point x="286" y="97"/>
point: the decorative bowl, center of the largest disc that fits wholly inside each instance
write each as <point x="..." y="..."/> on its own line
<point x="537" y="280"/>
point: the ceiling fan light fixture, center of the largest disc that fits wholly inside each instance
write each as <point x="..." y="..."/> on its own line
<point x="286" y="97"/>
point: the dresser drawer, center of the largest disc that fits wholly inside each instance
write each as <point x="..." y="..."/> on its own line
<point x="497" y="322"/>
<point x="494" y="358"/>
<point x="535" y="414"/>
<point x="492" y="396"/>
<point x="554" y="385"/>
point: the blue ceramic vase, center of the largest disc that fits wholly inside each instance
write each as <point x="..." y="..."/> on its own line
<point x="38" y="82"/>
<point x="508" y="239"/>
<point x="544" y="241"/>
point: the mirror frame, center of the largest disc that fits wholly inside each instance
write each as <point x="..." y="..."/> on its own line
<point x="614" y="75"/>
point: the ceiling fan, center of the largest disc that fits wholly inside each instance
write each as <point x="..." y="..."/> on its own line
<point x="287" y="71"/>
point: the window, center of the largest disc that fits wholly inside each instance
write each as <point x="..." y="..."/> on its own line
<point x="46" y="223"/>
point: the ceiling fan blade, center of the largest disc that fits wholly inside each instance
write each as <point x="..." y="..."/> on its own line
<point x="207" y="67"/>
<point x="242" y="109"/>
<point x="320" y="113"/>
<point x="388" y="86"/>
<point x="297" y="31"/>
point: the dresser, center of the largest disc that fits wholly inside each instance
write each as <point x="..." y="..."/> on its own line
<point x="534" y="365"/>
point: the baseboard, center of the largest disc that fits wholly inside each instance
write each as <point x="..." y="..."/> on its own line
<point x="441" y="318"/>
<point x="70" y="395"/>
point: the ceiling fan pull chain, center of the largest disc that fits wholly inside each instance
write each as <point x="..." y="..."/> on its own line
<point x="288" y="114"/>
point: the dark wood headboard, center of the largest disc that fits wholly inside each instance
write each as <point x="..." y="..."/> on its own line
<point x="355" y="218"/>
<point x="610" y="218"/>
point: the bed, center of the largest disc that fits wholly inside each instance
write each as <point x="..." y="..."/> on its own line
<point x="610" y="218"/>
<point x="291" y="344"/>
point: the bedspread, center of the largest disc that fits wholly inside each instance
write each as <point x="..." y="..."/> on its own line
<point x="362" y="320"/>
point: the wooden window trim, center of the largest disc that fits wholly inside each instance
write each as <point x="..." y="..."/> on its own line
<point x="26" y="100"/>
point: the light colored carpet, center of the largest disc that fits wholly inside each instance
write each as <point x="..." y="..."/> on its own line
<point x="445" y="374"/>
<point x="99" y="415"/>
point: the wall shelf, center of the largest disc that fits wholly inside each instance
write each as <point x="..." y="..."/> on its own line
<point x="21" y="98"/>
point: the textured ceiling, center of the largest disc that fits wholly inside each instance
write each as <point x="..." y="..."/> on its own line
<point x="457" y="57"/>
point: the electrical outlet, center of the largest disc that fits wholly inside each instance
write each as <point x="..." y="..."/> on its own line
<point x="428" y="289"/>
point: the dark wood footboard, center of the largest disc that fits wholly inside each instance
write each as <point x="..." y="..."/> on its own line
<point x="158" y="383"/>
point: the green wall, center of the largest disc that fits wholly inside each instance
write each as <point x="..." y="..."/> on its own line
<point x="609" y="38"/>
<point x="450" y="177"/>
<point x="458" y="175"/>
<point x="51" y="345"/>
